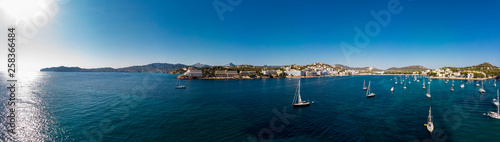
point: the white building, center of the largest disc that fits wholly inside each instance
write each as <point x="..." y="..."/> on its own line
<point x="470" y="75"/>
<point x="269" y="72"/>
<point x="295" y="73"/>
<point x="191" y="72"/>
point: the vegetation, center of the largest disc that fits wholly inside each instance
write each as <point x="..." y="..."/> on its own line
<point x="478" y="70"/>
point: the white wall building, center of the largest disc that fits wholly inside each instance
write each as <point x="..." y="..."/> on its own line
<point x="295" y="73"/>
<point x="191" y="72"/>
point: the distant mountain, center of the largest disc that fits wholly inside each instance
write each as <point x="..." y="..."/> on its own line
<point x="408" y="68"/>
<point x="62" y="69"/>
<point x="155" y="67"/>
<point x="198" y="65"/>
<point x="273" y="66"/>
<point x="230" y="64"/>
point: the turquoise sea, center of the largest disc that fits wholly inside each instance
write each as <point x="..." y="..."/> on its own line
<point x="59" y="106"/>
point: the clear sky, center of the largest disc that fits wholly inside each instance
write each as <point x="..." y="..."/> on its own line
<point x="120" y="33"/>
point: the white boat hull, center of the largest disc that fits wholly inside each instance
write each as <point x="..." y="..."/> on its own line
<point x="371" y="95"/>
<point x="301" y="104"/>
<point x="494" y="115"/>
<point x="430" y="126"/>
<point x="180" y="87"/>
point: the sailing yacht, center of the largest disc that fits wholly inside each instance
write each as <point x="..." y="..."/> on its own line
<point x="452" y="81"/>
<point x="297" y="100"/>
<point x="368" y="94"/>
<point x="364" y="87"/>
<point x="429" y="92"/>
<point x="423" y="84"/>
<point x="481" y="90"/>
<point x="495" y="115"/>
<point x="392" y="89"/>
<point x="430" y="124"/>
<point x="404" y="86"/>
<point x="179" y="86"/>
<point x="495" y="100"/>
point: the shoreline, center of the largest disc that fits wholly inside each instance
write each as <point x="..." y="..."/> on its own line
<point x="231" y="78"/>
<point x="461" y="78"/>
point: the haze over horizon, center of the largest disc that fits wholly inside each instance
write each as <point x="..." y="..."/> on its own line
<point x="93" y="34"/>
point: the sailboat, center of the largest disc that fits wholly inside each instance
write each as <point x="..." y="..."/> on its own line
<point x="495" y="84"/>
<point x="429" y="92"/>
<point x="392" y="89"/>
<point x="495" y="100"/>
<point x="179" y="86"/>
<point x="495" y="115"/>
<point x="451" y="88"/>
<point x="364" y="87"/>
<point x="430" y="125"/>
<point x="423" y="84"/>
<point x="396" y="80"/>
<point x="368" y="94"/>
<point x="404" y="86"/>
<point x="297" y="100"/>
<point x="452" y="83"/>
<point x="481" y="90"/>
<point x="477" y="84"/>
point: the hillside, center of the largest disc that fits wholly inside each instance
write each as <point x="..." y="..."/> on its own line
<point x="358" y="68"/>
<point x="408" y="68"/>
<point x="483" y="66"/>
<point x="155" y="68"/>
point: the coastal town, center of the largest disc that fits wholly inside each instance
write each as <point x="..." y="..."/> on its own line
<point x="477" y="72"/>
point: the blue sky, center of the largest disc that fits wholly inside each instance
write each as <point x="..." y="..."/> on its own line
<point x="119" y="33"/>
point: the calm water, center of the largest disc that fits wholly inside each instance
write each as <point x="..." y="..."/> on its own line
<point x="146" y="107"/>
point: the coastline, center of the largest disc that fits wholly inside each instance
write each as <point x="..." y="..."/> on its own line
<point x="461" y="78"/>
<point x="227" y="78"/>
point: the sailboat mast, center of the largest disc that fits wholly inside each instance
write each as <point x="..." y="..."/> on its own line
<point x="429" y="91"/>
<point x="368" y="92"/>
<point x="430" y="117"/>
<point x="300" y="100"/>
